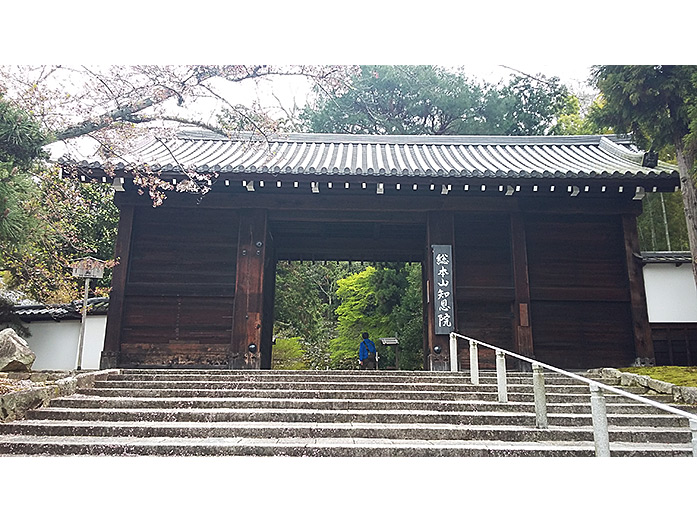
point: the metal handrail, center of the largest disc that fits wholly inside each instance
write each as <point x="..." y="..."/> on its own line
<point x="598" y="412"/>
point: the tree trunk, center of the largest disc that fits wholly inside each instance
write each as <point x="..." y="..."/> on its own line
<point x="686" y="162"/>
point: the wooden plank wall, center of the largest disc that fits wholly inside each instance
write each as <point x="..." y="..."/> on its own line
<point x="580" y="302"/>
<point x="335" y="235"/>
<point x="180" y="287"/>
<point x="580" y="307"/>
<point x="484" y="276"/>
<point x="675" y="343"/>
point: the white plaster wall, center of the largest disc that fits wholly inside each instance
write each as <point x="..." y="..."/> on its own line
<point x="671" y="295"/>
<point x="55" y="343"/>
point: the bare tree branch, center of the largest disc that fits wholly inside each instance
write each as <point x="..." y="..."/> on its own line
<point x="536" y="78"/>
<point x="151" y="86"/>
<point x="122" y="113"/>
<point x="234" y="109"/>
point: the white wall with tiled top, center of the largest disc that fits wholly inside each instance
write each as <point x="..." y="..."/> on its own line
<point x="671" y="294"/>
<point x="55" y="343"/>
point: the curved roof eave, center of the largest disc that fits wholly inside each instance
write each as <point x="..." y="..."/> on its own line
<point x="424" y="156"/>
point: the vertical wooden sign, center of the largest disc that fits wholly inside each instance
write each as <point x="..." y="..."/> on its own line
<point x="443" y="288"/>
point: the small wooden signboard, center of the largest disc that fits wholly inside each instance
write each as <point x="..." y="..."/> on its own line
<point x="88" y="268"/>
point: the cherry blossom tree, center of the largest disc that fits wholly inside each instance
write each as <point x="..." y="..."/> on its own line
<point x="108" y="107"/>
<point x="112" y="106"/>
<point x="77" y="101"/>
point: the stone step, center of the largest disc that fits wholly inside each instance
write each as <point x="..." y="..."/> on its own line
<point x="336" y="447"/>
<point x="334" y="385"/>
<point x="186" y="390"/>
<point x="82" y="401"/>
<point x="365" y="377"/>
<point x="438" y="375"/>
<point x="335" y="413"/>
<point x="485" y="376"/>
<point x="343" y="416"/>
<point x="316" y="430"/>
<point x="340" y="375"/>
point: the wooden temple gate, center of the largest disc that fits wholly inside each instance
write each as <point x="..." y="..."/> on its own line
<point x="544" y="259"/>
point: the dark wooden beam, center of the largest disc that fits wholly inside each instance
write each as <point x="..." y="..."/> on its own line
<point x="248" y="313"/>
<point x="110" y="357"/>
<point x="340" y="216"/>
<point x="404" y="201"/>
<point x="298" y="200"/>
<point x="640" y="317"/>
<point x="525" y="185"/>
<point x="522" y="329"/>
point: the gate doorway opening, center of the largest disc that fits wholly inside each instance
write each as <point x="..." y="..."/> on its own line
<point x="322" y="307"/>
<point x="337" y="276"/>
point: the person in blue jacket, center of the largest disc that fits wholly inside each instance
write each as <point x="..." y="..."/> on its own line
<point x="367" y="353"/>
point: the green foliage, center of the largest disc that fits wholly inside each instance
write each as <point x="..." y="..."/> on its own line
<point x="65" y="220"/>
<point x="382" y="301"/>
<point x="525" y="106"/>
<point x="288" y="354"/>
<point x="571" y="121"/>
<point x="398" y="289"/>
<point x="20" y="145"/>
<point x="305" y="306"/>
<point x="657" y="103"/>
<point x="16" y="221"/>
<point x="399" y="100"/>
<point x="357" y="313"/>
<point x="432" y="100"/>
<point x="662" y="225"/>
<point x="304" y="295"/>
<point x="21" y="139"/>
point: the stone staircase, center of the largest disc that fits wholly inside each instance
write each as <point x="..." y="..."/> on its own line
<point x="334" y="413"/>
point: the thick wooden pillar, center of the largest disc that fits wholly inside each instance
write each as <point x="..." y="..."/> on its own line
<point x="643" y="341"/>
<point x="110" y="357"/>
<point x="268" y="306"/>
<point x="522" y="331"/>
<point x="426" y="304"/>
<point x="248" y="313"/>
<point x="440" y="230"/>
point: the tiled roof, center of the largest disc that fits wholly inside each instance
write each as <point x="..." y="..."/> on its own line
<point x="586" y="157"/>
<point x="666" y="257"/>
<point x="67" y="311"/>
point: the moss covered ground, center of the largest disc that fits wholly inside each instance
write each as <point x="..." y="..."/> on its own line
<point x="682" y="376"/>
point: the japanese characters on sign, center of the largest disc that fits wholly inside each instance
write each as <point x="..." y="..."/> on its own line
<point x="88" y="268"/>
<point x="443" y="288"/>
